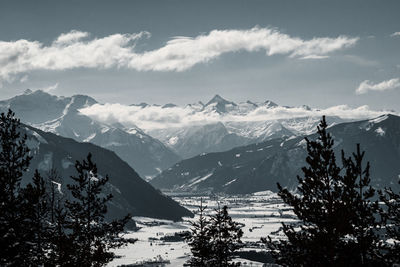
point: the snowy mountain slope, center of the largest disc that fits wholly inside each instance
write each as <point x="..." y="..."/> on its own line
<point x="259" y="166"/>
<point x="60" y="115"/>
<point x="230" y="129"/>
<point x="131" y="193"/>
<point x="191" y="141"/>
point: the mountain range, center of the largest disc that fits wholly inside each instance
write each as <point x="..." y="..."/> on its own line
<point x="223" y="151"/>
<point x="149" y="151"/>
<point x="60" y="115"/>
<point x="231" y="130"/>
<point x="260" y="166"/>
<point x="131" y="193"/>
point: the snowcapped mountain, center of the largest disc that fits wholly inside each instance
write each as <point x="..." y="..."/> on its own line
<point x="232" y="126"/>
<point x="60" y="115"/>
<point x="131" y="193"/>
<point x="193" y="140"/>
<point x="219" y="105"/>
<point x="260" y="166"/>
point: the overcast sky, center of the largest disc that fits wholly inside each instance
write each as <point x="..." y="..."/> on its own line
<point x="319" y="53"/>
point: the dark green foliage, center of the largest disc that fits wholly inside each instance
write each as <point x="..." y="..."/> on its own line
<point x="92" y="237"/>
<point x="391" y="216"/>
<point x="337" y="217"/>
<point x="14" y="161"/>
<point x="215" y="239"/>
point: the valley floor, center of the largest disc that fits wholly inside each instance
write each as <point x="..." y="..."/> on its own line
<point x="261" y="214"/>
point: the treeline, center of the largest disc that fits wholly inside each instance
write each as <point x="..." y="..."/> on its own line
<point x="343" y="220"/>
<point x="42" y="226"/>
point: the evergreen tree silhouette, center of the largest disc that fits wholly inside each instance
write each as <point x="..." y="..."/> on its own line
<point x="225" y="235"/>
<point x="364" y="246"/>
<point x="391" y="217"/>
<point x="336" y="214"/>
<point x="61" y="251"/>
<point x="54" y="183"/>
<point x="36" y="213"/>
<point x="14" y="161"/>
<point x="91" y="236"/>
<point x="199" y="240"/>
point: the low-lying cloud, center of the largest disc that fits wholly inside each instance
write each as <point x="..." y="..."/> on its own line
<point x="367" y="85"/>
<point x="76" y="49"/>
<point x="156" y="117"/>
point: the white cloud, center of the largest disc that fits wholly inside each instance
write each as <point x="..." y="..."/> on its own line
<point x="24" y="78"/>
<point x="395" y="34"/>
<point x="76" y="50"/>
<point x="314" y="57"/>
<point x="70" y="37"/>
<point x="156" y="117"/>
<point x="50" y="88"/>
<point x="367" y="85"/>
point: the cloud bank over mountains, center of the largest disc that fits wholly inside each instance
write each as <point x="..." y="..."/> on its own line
<point x="77" y="49"/>
<point x="152" y="117"/>
<point x="367" y="86"/>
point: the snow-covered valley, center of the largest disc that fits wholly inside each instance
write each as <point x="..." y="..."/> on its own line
<point x="261" y="214"/>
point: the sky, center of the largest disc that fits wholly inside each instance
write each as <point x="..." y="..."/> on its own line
<point x="318" y="53"/>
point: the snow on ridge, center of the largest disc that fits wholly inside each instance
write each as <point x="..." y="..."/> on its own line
<point x="202" y="179"/>
<point x="39" y="137"/>
<point x="263" y="193"/>
<point x="173" y="140"/>
<point x="380" y="131"/>
<point x="228" y="183"/>
<point x="88" y="139"/>
<point x="379" y="119"/>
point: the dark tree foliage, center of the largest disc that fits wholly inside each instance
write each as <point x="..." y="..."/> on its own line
<point x="225" y="237"/>
<point x="199" y="240"/>
<point x="54" y="182"/>
<point x="335" y="213"/>
<point x="214" y="240"/>
<point x="38" y="227"/>
<point x="14" y="161"/>
<point x="92" y="237"/>
<point x="363" y="248"/>
<point x="36" y="214"/>
<point x="391" y="217"/>
<point x="61" y="251"/>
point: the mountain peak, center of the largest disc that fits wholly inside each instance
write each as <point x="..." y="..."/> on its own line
<point x="219" y="100"/>
<point x="270" y="104"/>
<point x="83" y="100"/>
<point x="169" y="105"/>
<point x="28" y="91"/>
<point x="142" y="105"/>
<point x="219" y="104"/>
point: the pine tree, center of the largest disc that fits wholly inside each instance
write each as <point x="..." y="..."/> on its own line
<point x="363" y="248"/>
<point x="92" y="237"/>
<point x="62" y="251"/>
<point x="199" y="240"/>
<point x="36" y="213"/>
<point x="54" y="182"/>
<point x="391" y="217"/>
<point x="225" y="237"/>
<point x="14" y="161"/>
<point x="335" y="213"/>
